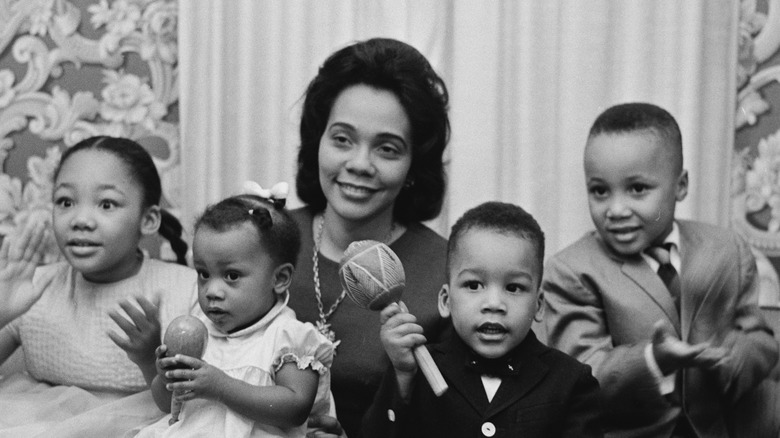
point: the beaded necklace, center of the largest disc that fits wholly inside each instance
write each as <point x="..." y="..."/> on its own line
<point x="322" y="324"/>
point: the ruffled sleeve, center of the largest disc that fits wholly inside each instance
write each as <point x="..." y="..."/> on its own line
<point x="302" y="344"/>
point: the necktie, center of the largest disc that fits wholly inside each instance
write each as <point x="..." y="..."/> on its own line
<point x="503" y="366"/>
<point x="666" y="271"/>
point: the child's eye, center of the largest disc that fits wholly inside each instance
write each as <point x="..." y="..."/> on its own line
<point x="107" y="204"/>
<point x="638" y="189"/>
<point x="203" y="275"/>
<point x="232" y="276"/>
<point x="471" y="285"/>
<point x="63" y="202"/>
<point x="597" y="191"/>
<point x="516" y="288"/>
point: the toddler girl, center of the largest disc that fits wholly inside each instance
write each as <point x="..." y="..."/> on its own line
<point x="262" y="368"/>
<point x="106" y="198"/>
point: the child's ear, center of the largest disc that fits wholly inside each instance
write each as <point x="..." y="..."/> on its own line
<point x="150" y="221"/>
<point x="283" y="278"/>
<point x="444" y="301"/>
<point x="539" y="315"/>
<point x="682" y="186"/>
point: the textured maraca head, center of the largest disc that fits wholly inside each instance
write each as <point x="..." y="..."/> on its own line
<point x="186" y="335"/>
<point x="372" y="274"/>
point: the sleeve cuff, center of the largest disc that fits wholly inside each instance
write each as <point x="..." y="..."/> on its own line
<point x="665" y="383"/>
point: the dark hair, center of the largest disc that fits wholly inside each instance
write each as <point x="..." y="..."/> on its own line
<point x="503" y="218"/>
<point x="277" y="230"/>
<point x="142" y="169"/>
<point x="397" y="67"/>
<point x="640" y="116"/>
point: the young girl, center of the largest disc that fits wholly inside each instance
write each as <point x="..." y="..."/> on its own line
<point x="262" y="368"/>
<point x="106" y="196"/>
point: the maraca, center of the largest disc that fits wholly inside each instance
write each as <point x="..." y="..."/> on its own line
<point x="373" y="277"/>
<point x="185" y="335"/>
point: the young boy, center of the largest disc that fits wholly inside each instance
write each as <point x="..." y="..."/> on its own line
<point x="671" y="360"/>
<point x="502" y="381"/>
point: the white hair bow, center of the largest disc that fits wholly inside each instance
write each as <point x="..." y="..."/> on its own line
<point x="276" y="194"/>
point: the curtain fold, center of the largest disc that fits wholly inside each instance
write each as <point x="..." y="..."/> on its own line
<point x="526" y="80"/>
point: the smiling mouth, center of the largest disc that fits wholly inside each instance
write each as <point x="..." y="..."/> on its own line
<point x="623" y="230"/>
<point x="355" y="190"/>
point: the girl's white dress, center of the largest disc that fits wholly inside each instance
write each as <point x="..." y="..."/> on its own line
<point x="253" y="355"/>
<point x="77" y="381"/>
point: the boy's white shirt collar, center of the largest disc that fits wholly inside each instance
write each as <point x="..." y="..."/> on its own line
<point x="491" y="384"/>
<point x="674" y="253"/>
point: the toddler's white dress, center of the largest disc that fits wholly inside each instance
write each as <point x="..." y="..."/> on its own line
<point x="253" y="355"/>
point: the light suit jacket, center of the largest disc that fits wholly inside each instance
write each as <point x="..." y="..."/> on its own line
<point x="602" y="308"/>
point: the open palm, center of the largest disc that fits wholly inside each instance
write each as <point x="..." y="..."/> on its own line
<point x="19" y="256"/>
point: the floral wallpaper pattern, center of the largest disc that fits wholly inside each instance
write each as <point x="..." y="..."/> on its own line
<point x="45" y="36"/>
<point x="755" y="179"/>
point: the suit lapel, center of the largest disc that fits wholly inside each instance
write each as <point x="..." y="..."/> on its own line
<point x="469" y="384"/>
<point x="647" y="280"/>
<point x="515" y="387"/>
<point x="453" y="368"/>
<point x="692" y="245"/>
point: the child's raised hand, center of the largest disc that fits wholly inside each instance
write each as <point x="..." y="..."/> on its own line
<point x="672" y="353"/>
<point x="193" y="378"/>
<point x="19" y="256"/>
<point x="142" y="330"/>
<point x="399" y="334"/>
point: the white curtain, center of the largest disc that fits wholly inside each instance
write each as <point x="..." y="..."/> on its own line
<point x="526" y="79"/>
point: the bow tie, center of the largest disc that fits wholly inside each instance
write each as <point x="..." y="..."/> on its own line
<point x="502" y="366"/>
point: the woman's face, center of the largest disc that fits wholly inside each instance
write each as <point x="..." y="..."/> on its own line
<point x="365" y="153"/>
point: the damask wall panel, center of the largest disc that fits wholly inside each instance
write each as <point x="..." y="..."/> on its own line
<point x="73" y="69"/>
<point x="755" y="182"/>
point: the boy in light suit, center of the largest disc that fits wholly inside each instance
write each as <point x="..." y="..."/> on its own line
<point x="502" y="381"/>
<point x="672" y="360"/>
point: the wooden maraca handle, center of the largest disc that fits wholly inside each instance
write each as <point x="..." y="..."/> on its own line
<point x="430" y="370"/>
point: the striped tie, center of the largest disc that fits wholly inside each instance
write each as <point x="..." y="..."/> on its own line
<point x="666" y="271"/>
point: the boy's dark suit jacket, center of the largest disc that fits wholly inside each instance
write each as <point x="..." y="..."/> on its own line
<point x="550" y="395"/>
<point x="601" y="309"/>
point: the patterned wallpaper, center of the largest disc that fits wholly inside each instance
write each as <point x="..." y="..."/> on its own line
<point x="73" y="69"/>
<point x="755" y="181"/>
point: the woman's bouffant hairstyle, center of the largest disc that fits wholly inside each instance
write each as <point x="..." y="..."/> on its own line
<point x="141" y="167"/>
<point x="278" y="232"/>
<point x="397" y="67"/>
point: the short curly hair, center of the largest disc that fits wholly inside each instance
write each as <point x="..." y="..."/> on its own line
<point x="633" y="117"/>
<point x="500" y="217"/>
<point x="391" y="65"/>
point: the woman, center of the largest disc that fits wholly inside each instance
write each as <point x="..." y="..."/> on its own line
<point x="373" y="132"/>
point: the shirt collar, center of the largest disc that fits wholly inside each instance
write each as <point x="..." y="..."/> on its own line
<point x="674" y="252"/>
<point x="279" y="306"/>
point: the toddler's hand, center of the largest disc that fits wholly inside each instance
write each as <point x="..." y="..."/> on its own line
<point x="672" y="354"/>
<point x="19" y="256"/>
<point x="193" y="378"/>
<point x="399" y="334"/>
<point x="163" y="363"/>
<point x="142" y="330"/>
